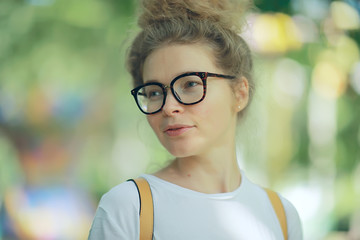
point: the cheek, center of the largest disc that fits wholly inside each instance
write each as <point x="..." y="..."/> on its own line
<point x="152" y="120"/>
<point x="217" y="107"/>
<point x="216" y="113"/>
<point x="210" y="114"/>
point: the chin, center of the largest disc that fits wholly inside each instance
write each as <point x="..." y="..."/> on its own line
<point x="183" y="146"/>
<point x="181" y="152"/>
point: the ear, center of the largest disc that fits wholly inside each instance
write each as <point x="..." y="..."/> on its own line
<point x="241" y="91"/>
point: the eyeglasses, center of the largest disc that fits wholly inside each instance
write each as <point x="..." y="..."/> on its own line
<point x="187" y="88"/>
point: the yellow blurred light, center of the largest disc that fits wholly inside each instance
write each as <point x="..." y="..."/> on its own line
<point x="291" y="31"/>
<point x="347" y="53"/>
<point x="267" y="34"/>
<point x="334" y="64"/>
<point x="344" y="16"/>
<point x="276" y="33"/>
<point x="328" y="80"/>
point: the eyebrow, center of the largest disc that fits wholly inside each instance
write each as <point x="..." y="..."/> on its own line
<point x="151" y="81"/>
<point x="156" y="81"/>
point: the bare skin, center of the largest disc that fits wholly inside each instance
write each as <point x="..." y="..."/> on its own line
<point x="205" y="159"/>
<point x="201" y="177"/>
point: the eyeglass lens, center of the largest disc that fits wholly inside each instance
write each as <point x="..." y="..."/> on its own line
<point x="187" y="90"/>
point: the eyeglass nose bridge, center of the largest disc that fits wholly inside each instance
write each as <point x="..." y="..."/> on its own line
<point x="175" y="94"/>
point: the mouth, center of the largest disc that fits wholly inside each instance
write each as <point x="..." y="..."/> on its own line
<point x="177" y="130"/>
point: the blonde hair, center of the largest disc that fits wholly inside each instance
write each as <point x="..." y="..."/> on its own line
<point x="214" y="22"/>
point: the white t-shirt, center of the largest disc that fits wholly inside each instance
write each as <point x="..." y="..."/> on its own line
<point x="180" y="214"/>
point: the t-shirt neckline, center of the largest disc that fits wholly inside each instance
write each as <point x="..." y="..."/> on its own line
<point x="154" y="180"/>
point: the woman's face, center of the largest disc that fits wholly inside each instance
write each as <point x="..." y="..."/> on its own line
<point x="190" y="130"/>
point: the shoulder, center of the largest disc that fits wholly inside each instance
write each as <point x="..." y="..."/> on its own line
<point x="293" y="220"/>
<point x="124" y="195"/>
<point x="117" y="215"/>
<point x="292" y="216"/>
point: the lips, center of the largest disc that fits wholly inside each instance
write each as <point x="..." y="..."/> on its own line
<point x="177" y="129"/>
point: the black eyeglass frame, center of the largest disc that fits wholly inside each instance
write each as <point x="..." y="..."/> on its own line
<point x="202" y="75"/>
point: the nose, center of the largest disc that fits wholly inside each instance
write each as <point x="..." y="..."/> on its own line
<point x="171" y="106"/>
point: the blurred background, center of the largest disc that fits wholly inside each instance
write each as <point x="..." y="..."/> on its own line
<point x="70" y="130"/>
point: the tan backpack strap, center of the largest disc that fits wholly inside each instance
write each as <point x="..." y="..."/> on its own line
<point x="146" y="209"/>
<point x="279" y="210"/>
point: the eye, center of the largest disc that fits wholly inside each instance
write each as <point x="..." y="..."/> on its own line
<point x="151" y="92"/>
<point x="154" y="93"/>
<point x="190" y="84"/>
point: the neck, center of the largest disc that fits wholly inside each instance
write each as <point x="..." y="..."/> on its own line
<point x="214" y="172"/>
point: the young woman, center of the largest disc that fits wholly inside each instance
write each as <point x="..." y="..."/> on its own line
<point x="192" y="77"/>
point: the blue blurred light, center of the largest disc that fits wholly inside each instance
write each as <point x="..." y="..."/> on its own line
<point x="354" y="4"/>
<point x="69" y="109"/>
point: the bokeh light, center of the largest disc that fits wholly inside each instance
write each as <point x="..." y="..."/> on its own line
<point x="69" y="129"/>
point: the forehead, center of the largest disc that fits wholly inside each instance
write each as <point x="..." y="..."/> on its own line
<point x="170" y="61"/>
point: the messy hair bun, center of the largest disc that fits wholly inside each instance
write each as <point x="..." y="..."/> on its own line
<point x="216" y="23"/>
<point x="227" y="13"/>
